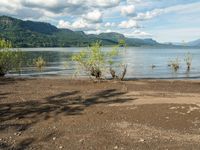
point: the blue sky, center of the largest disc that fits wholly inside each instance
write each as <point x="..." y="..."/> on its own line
<point x="162" y="20"/>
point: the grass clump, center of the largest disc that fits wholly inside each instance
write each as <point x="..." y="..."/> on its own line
<point x="39" y="63"/>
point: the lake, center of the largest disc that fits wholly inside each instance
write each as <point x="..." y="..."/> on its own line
<point x="139" y="61"/>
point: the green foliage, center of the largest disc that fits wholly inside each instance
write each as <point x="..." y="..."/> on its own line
<point x="95" y="62"/>
<point x="39" y="63"/>
<point x="122" y="43"/>
<point x="9" y="59"/>
<point x="39" y="34"/>
<point x="5" y="44"/>
<point x="188" y="60"/>
<point x="175" y="65"/>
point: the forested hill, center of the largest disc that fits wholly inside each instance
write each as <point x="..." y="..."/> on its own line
<point x="39" y="34"/>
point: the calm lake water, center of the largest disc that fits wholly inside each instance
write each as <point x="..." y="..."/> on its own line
<point x="139" y="60"/>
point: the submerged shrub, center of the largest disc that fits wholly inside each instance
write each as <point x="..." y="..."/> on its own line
<point x="9" y="59"/>
<point x="188" y="60"/>
<point x="39" y="63"/>
<point x="174" y="64"/>
<point x="95" y="62"/>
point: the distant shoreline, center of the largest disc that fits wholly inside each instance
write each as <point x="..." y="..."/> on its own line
<point x="110" y="46"/>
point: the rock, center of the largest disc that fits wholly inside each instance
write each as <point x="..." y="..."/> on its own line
<point x="116" y="147"/>
<point x="141" y="140"/>
<point x="60" y="147"/>
<point x="19" y="133"/>
<point x="54" y="138"/>
<point x="81" y="140"/>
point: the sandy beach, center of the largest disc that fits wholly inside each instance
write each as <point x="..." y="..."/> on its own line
<point x="53" y="114"/>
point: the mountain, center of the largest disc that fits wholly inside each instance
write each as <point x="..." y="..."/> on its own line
<point x="39" y="34"/>
<point x="195" y="43"/>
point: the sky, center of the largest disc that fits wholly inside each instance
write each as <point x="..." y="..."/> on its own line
<point x="162" y="20"/>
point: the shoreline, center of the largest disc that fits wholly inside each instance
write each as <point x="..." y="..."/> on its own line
<point x="67" y="77"/>
<point x="49" y="113"/>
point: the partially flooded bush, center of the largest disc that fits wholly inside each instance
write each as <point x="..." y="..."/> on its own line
<point x="174" y="64"/>
<point x="9" y="59"/>
<point x="39" y="63"/>
<point x="121" y="75"/>
<point x="188" y="60"/>
<point x="97" y="63"/>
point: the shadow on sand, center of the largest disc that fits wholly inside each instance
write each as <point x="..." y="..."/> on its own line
<point x="15" y="115"/>
<point x="67" y="103"/>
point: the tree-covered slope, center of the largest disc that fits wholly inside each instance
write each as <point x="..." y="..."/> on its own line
<point x="39" y="34"/>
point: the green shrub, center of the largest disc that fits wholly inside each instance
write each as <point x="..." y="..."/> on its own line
<point x="39" y="63"/>
<point x="9" y="59"/>
<point x="175" y="65"/>
<point x="95" y="62"/>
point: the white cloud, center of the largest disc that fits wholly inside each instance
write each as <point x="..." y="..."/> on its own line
<point x="104" y="3"/>
<point x="138" y="33"/>
<point x="80" y="24"/>
<point x="98" y="31"/>
<point x="134" y="1"/>
<point x="110" y="24"/>
<point x="182" y="9"/>
<point x="128" y="10"/>
<point x="8" y="7"/>
<point x="64" y="24"/>
<point x="94" y="16"/>
<point x="129" y="24"/>
<point x="77" y="25"/>
<point x="149" y="14"/>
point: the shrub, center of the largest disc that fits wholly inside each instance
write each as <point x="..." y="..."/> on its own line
<point x="188" y="60"/>
<point x="175" y="64"/>
<point x="9" y="59"/>
<point x="95" y="62"/>
<point x="39" y="63"/>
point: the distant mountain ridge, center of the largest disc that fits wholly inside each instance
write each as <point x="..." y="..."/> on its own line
<point x="195" y="43"/>
<point x="39" y="34"/>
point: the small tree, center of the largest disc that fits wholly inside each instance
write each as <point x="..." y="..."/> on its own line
<point x="94" y="61"/>
<point x="188" y="60"/>
<point x="9" y="59"/>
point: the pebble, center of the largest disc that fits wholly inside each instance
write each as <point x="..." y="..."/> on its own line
<point x="17" y="134"/>
<point x="60" y="147"/>
<point x="141" y="140"/>
<point x="116" y="147"/>
<point x="81" y="140"/>
<point x="54" y="138"/>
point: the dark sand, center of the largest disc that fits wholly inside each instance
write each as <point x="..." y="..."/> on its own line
<point x="53" y="114"/>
